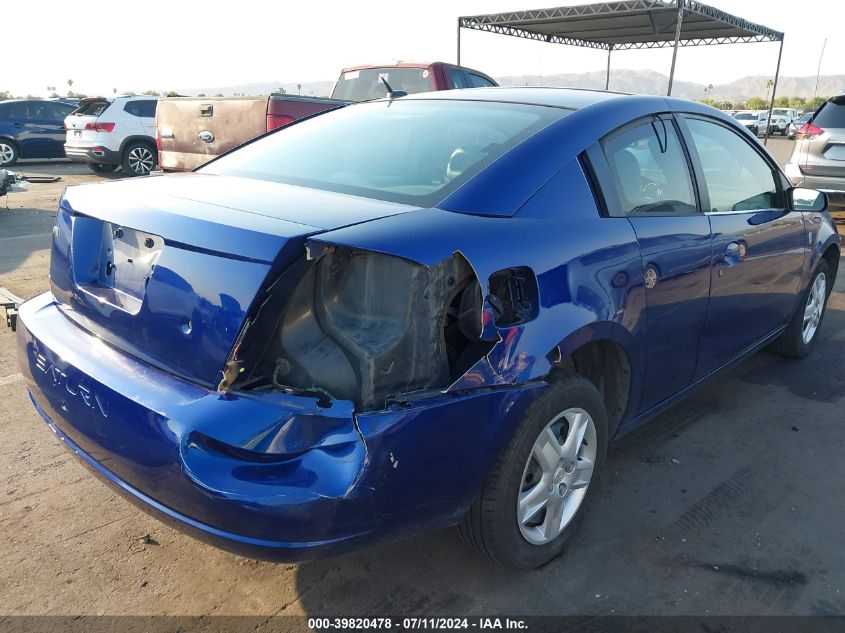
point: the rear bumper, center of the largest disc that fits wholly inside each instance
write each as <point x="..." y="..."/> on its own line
<point x="268" y="476"/>
<point x="94" y="154"/>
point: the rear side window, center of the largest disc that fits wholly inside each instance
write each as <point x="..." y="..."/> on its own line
<point x="651" y="170"/>
<point x="146" y="108"/>
<point x="364" y="85"/>
<point x="738" y="178"/>
<point x="57" y="111"/>
<point x="831" y="114"/>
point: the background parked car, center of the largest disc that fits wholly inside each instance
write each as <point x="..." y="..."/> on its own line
<point x="818" y="158"/>
<point x="779" y="125"/>
<point x="748" y="118"/>
<point x="31" y="128"/>
<point x="193" y="130"/>
<point x="112" y="133"/>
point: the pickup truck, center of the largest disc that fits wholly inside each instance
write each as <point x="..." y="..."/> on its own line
<point x="190" y="131"/>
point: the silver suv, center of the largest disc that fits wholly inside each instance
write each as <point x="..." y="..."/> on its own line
<point x="818" y="159"/>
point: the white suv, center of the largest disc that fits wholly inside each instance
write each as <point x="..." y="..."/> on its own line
<point x="112" y="133"/>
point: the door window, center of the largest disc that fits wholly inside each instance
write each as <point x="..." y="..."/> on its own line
<point x="738" y="178"/>
<point x="56" y="112"/>
<point x="477" y="81"/>
<point x="651" y="170"/>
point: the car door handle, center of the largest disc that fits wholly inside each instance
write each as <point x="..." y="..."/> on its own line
<point x="734" y="253"/>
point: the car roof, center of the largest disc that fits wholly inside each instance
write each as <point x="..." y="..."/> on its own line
<point x="570" y="98"/>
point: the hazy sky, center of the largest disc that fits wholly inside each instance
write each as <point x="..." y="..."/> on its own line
<point x="186" y="43"/>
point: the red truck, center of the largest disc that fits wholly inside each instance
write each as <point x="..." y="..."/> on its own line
<point x="190" y="131"/>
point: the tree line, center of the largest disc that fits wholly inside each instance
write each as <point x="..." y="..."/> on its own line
<point x="759" y="103"/>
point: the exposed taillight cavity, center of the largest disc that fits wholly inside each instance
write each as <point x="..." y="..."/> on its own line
<point x="99" y="127"/>
<point x="808" y="130"/>
<point x="278" y="120"/>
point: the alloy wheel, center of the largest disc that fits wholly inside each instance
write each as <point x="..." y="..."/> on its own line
<point x="7" y="153"/>
<point x="556" y="476"/>
<point x="141" y="160"/>
<point x="815" y="308"/>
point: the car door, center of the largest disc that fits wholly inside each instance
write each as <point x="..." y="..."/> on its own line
<point x="650" y="182"/>
<point x="55" y="114"/>
<point x="758" y="243"/>
<point x="35" y="129"/>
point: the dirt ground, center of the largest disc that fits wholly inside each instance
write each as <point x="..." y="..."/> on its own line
<point x="730" y="503"/>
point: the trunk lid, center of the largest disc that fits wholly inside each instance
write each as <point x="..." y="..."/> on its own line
<point x="167" y="269"/>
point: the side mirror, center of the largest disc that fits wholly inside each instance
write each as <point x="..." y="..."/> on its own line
<point x="807" y="200"/>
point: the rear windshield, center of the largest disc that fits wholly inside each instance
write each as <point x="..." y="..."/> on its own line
<point x="364" y="85"/>
<point x="831" y="114"/>
<point x="92" y="108"/>
<point x="745" y="116"/>
<point x="406" y="151"/>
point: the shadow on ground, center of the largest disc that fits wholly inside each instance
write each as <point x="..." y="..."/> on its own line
<point x="696" y="513"/>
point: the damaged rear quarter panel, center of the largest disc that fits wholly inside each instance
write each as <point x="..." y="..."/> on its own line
<point x="588" y="270"/>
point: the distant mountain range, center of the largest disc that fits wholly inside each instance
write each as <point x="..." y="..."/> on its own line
<point x="638" y="81"/>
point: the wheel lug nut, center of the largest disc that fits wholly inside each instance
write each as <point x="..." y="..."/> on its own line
<point x="561" y="489"/>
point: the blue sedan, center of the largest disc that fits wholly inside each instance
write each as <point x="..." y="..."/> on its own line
<point x="416" y="313"/>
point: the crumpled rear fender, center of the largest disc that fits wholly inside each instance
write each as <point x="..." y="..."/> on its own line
<point x="588" y="271"/>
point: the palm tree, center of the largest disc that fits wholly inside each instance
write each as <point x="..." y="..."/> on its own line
<point x="114" y="90"/>
<point x="769" y="84"/>
<point x="299" y="88"/>
<point x="69" y="87"/>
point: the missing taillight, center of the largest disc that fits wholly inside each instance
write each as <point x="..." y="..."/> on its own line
<point x="362" y="326"/>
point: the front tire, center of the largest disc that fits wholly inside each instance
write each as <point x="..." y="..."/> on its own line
<point x="799" y="336"/>
<point x="539" y="488"/>
<point x="139" y="159"/>
<point x="100" y="168"/>
<point x="8" y="153"/>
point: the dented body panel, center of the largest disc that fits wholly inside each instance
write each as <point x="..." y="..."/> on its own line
<point x="291" y="371"/>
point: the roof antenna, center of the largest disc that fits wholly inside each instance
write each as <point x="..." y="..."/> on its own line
<point x="391" y="93"/>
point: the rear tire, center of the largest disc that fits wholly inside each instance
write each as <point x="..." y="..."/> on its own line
<point x="529" y="508"/>
<point x="139" y="159"/>
<point x="8" y="152"/>
<point x="799" y="336"/>
<point x="100" y="168"/>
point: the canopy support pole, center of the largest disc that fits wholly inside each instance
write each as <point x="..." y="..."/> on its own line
<point x="607" y="79"/>
<point x="675" y="49"/>
<point x="774" y="91"/>
<point x="459" y="41"/>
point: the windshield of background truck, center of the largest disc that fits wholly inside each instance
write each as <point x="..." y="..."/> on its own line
<point x="363" y="85"/>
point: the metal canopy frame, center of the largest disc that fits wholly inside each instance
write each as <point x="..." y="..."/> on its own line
<point x="630" y="25"/>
